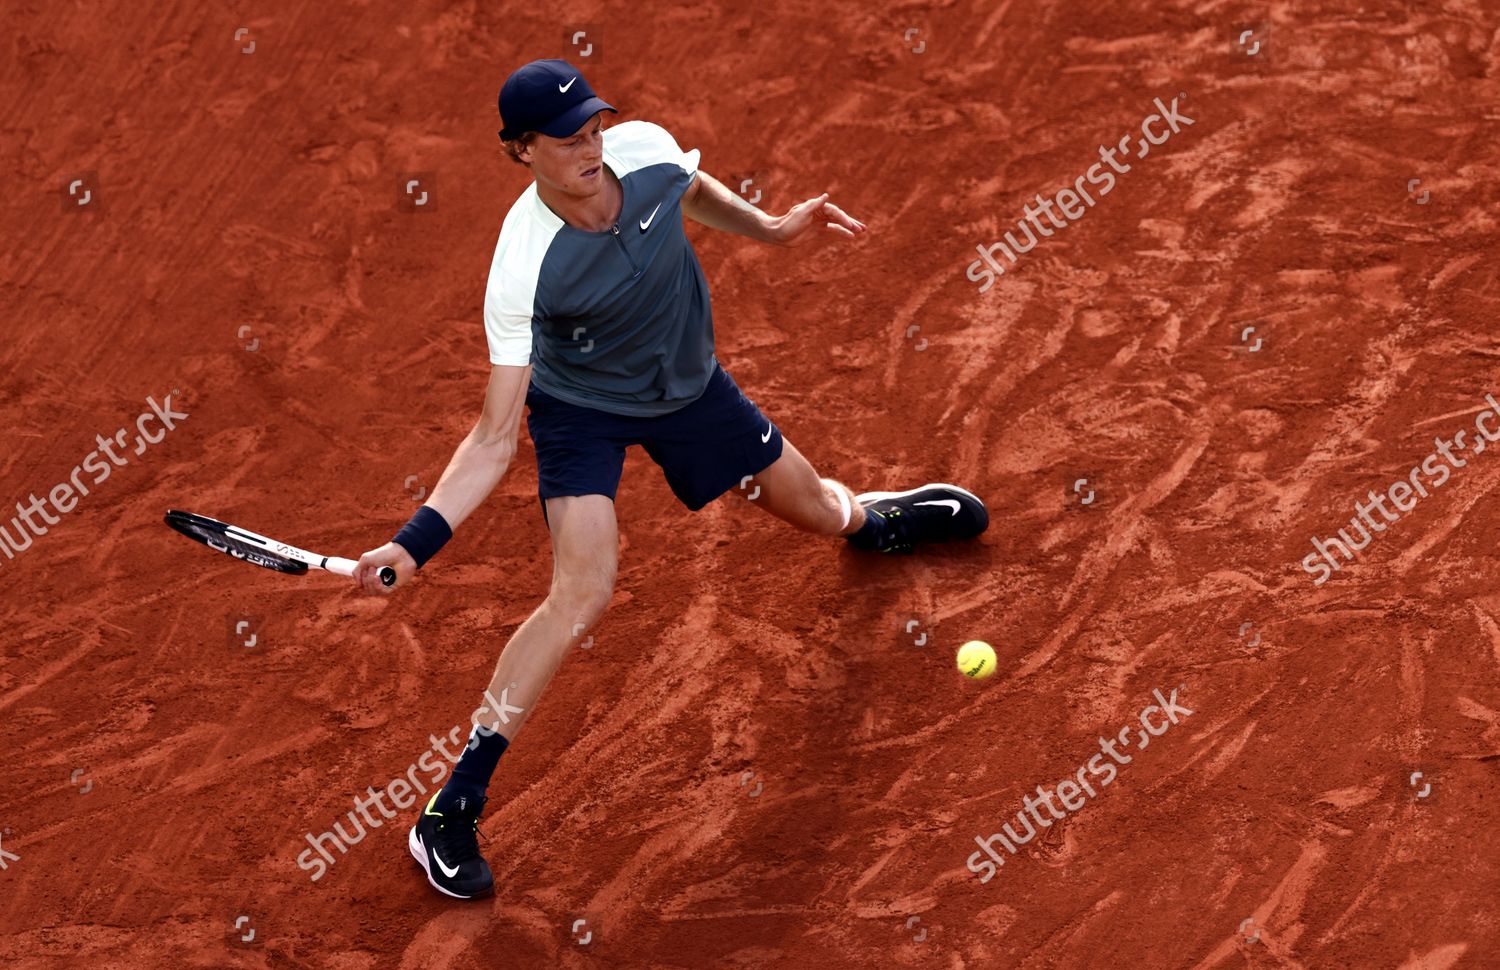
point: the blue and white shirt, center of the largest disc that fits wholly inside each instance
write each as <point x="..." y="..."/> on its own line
<point x="616" y="320"/>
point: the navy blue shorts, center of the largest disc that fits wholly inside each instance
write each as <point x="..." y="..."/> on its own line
<point x="704" y="449"/>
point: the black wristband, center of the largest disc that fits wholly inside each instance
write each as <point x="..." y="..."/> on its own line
<point x="424" y="534"/>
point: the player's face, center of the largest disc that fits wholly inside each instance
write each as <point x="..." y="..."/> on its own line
<point x="575" y="164"/>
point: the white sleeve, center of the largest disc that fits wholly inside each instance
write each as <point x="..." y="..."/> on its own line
<point x="641" y="143"/>
<point x="508" y="302"/>
<point x="510" y="295"/>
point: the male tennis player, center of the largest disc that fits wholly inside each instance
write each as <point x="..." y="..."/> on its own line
<point x="597" y="317"/>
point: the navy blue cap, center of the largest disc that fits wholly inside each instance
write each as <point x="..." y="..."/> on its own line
<point x="547" y="96"/>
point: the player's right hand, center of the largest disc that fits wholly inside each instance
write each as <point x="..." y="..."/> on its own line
<point x="366" y="572"/>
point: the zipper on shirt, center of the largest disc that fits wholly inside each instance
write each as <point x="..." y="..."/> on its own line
<point x="635" y="273"/>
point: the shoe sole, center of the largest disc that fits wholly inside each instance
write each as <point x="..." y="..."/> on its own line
<point x="865" y="498"/>
<point x="421" y="859"/>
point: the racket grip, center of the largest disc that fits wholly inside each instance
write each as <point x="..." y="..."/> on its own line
<point x="345" y="567"/>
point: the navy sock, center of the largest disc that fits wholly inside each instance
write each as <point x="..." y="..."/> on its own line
<point x="874" y="534"/>
<point x="476" y="765"/>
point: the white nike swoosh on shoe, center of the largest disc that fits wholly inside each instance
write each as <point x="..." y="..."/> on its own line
<point x="646" y="222"/>
<point x="450" y="873"/>
<point x="767" y="436"/>
<point x="865" y="498"/>
<point x="419" y="853"/>
<point x="950" y="502"/>
<point x="563" y="88"/>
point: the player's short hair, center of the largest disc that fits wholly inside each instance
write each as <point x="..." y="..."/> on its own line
<point x="514" y="146"/>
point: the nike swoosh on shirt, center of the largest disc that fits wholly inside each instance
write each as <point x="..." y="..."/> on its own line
<point x="646" y="222"/>
<point x="563" y="88"/>
<point x="942" y="501"/>
<point x="767" y="436"/>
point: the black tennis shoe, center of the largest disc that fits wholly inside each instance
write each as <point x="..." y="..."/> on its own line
<point x="931" y="513"/>
<point x="446" y="846"/>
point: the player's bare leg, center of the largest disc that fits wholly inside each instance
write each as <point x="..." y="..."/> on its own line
<point x="585" y="554"/>
<point x="585" y="549"/>
<point x="792" y="490"/>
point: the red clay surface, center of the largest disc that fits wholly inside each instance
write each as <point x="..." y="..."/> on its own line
<point x="260" y="190"/>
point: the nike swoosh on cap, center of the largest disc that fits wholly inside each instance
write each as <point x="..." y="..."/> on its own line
<point x="646" y="222"/>
<point x="953" y="503"/>
<point x="563" y="88"/>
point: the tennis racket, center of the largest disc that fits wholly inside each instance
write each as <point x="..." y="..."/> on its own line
<point x="260" y="551"/>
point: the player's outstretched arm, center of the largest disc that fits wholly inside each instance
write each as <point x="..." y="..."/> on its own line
<point x="710" y="202"/>
<point x="475" y="469"/>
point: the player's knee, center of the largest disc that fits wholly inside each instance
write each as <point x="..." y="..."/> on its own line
<point x="583" y="597"/>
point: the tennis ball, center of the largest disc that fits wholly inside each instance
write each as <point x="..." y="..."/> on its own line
<point x="976" y="660"/>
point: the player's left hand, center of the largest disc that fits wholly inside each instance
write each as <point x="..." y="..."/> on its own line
<point x="795" y="226"/>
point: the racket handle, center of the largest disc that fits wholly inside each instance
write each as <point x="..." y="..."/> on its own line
<point x="345" y="567"/>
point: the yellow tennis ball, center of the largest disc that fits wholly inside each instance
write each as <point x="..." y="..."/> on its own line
<point x="976" y="660"/>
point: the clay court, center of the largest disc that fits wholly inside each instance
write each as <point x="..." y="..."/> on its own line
<point x="766" y="757"/>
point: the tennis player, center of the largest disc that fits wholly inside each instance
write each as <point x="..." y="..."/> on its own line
<point x="598" y="322"/>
